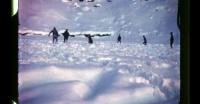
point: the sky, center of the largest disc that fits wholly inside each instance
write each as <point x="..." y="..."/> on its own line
<point x="153" y="18"/>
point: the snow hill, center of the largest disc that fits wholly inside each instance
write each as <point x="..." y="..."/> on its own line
<point x="132" y="18"/>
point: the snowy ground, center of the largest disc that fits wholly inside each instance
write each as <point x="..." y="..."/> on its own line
<point x="102" y="73"/>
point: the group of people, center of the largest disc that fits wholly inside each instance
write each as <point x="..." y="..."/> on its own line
<point x="66" y="35"/>
<point x="145" y="40"/>
<point x="56" y="35"/>
<point x="90" y="41"/>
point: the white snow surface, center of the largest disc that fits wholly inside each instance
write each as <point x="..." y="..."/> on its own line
<point x="101" y="73"/>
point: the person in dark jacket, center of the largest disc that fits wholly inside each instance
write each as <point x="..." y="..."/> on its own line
<point x="65" y="35"/>
<point x="55" y="35"/>
<point x="171" y="39"/>
<point x="119" y="39"/>
<point x="90" y="41"/>
<point x="145" y="40"/>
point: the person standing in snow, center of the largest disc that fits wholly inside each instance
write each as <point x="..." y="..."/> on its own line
<point x="119" y="39"/>
<point x="90" y="41"/>
<point x="171" y="39"/>
<point x="55" y="35"/>
<point x="65" y="35"/>
<point x="145" y="40"/>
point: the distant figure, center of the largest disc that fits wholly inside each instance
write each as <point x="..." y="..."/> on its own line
<point x="145" y="40"/>
<point x="119" y="39"/>
<point x="171" y="39"/>
<point x="55" y="35"/>
<point x="65" y="35"/>
<point x="90" y="41"/>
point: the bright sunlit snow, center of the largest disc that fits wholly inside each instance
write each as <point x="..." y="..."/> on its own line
<point x="102" y="73"/>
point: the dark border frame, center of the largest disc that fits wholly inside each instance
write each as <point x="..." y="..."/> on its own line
<point x="185" y="51"/>
<point x="185" y="54"/>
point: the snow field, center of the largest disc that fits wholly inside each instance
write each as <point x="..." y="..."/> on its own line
<point x="102" y="73"/>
